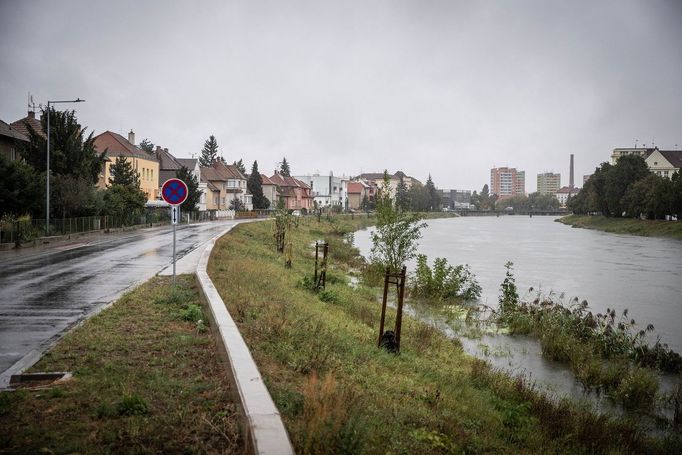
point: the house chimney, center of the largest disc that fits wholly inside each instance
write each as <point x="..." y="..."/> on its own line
<point x="31" y="114"/>
<point x="131" y="137"/>
<point x="165" y="150"/>
<point x="158" y="149"/>
<point x="570" y="178"/>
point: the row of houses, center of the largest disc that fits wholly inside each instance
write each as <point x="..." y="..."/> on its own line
<point x="220" y="184"/>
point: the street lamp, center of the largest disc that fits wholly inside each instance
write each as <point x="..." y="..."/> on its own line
<point x="47" y="177"/>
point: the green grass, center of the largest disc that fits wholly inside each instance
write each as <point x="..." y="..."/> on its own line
<point x="339" y="393"/>
<point x="646" y="228"/>
<point x="147" y="379"/>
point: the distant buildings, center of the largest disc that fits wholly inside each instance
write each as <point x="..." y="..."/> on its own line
<point x="357" y="192"/>
<point x="327" y="190"/>
<point x="549" y="183"/>
<point x="455" y="199"/>
<point x="294" y="193"/>
<point x="376" y="179"/>
<point x="661" y="162"/>
<point x="507" y="182"/>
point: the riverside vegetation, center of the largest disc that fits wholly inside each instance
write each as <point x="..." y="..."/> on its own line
<point x="634" y="226"/>
<point x="606" y="353"/>
<point x="338" y="393"/>
<point x="147" y="378"/>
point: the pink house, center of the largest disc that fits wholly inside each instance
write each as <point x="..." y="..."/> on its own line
<point x="295" y="194"/>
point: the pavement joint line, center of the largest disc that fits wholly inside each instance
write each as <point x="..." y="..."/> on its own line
<point x="264" y="431"/>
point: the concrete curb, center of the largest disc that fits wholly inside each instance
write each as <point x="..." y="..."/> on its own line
<point x="262" y="425"/>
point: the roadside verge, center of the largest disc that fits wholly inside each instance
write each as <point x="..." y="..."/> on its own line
<point x="264" y="431"/>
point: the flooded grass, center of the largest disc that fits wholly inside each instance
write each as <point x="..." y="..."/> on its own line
<point x="147" y="379"/>
<point x="339" y="393"/>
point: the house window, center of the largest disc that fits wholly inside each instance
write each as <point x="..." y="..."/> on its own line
<point x="665" y="173"/>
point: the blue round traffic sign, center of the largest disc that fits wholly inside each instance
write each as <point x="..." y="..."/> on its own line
<point x="174" y="191"/>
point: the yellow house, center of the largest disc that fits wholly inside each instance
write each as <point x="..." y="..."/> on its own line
<point x="146" y="165"/>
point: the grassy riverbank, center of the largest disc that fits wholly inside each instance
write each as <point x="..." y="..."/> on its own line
<point x="146" y="379"/>
<point x="646" y="228"/>
<point x="338" y="392"/>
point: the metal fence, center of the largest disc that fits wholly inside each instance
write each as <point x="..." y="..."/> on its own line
<point x="22" y="231"/>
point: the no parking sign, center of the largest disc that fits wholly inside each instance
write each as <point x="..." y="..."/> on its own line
<point x="174" y="191"/>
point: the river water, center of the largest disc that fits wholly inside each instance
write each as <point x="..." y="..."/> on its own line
<point x="615" y="271"/>
<point x="641" y="274"/>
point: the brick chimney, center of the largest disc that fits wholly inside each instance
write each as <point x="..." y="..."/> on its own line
<point x="131" y="137"/>
<point x="31" y="114"/>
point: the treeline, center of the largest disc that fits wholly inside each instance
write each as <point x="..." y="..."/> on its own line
<point x="629" y="189"/>
<point x="534" y="201"/>
<point x="75" y="168"/>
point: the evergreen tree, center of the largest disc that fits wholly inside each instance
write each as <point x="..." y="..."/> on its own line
<point x="209" y="154"/>
<point x="146" y="145"/>
<point x="284" y="168"/>
<point x="402" y="199"/>
<point x="21" y="190"/>
<point x="255" y="187"/>
<point x="193" y="192"/>
<point x="70" y="152"/>
<point x="237" y="205"/>
<point x="434" y="198"/>
<point x="122" y="173"/>
<point x="240" y="165"/>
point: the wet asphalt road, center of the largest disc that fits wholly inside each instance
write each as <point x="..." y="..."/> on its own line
<point x="46" y="292"/>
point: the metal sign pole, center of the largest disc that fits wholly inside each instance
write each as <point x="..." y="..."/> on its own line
<point x="173" y="253"/>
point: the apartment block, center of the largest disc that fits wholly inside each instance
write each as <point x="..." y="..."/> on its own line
<point x="549" y="183"/>
<point x="507" y="182"/>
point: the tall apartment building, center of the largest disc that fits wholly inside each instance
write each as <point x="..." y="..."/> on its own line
<point x="507" y="182"/>
<point x="549" y="183"/>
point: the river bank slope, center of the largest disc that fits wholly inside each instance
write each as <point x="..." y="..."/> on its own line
<point x="338" y="392"/>
<point x="646" y="228"/>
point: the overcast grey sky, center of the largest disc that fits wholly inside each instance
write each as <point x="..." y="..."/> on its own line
<point x="450" y="88"/>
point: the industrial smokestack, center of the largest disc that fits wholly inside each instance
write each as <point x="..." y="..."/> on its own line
<point x="570" y="178"/>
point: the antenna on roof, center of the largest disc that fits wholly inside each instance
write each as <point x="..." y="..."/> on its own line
<point x="31" y="103"/>
<point x="636" y="140"/>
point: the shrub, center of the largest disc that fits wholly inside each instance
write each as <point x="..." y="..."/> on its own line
<point x="328" y="295"/>
<point x="132" y="405"/>
<point x="192" y="313"/>
<point x="444" y="281"/>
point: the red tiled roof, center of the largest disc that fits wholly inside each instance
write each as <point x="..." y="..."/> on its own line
<point x="265" y="180"/>
<point x="22" y="125"/>
<point x="355" y="187"/>
<point x="222" y="172"/>
<point x="117" y="145"/>
<point x="7" y="131"/>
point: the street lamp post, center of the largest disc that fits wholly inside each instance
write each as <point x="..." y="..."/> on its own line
<point x="47" y="177"/>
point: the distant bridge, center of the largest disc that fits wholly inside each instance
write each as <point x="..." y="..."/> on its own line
<point x="464" y="212"/>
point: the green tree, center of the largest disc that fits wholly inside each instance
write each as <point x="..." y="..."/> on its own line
<point x="627" y="170"/>
<point x="402" y="198"/>
<point x="237" y="205"/>
<point x="124" y="202"/>
<point x="434" y="197"/>
<point x="146" y="145"/>
<point x="419" y="198"/>
<point x="240" y="165"/>
<point x="209" y="154"/>
<point x="676" y="197"/>
<point x="475" y="199"/>
<point x="284" y="168"/>
<point x="366" y="205"/>
<point x="21" y="189"/>
<point x="394" y="241"/>
<point x="193" y="192"/>
<point x="122" y="173"/>
<point x="255" y="187"/>
<point x="71" y="153"/>
<point x="72" y="196"/>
